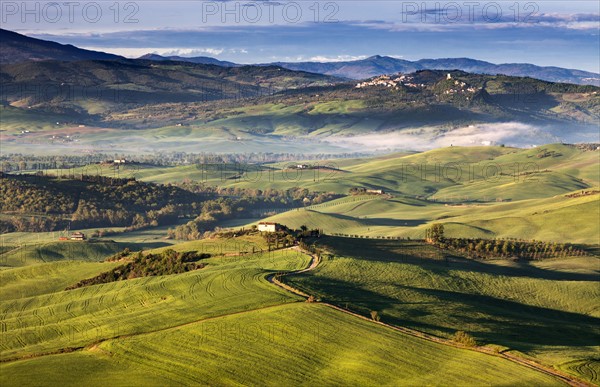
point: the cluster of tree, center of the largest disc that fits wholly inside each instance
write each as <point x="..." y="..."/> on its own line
<point x="491" y="248"/>
<point x="20" y="162"/>
<point x="583" y="193"/>
<point x="211" y="213"/>
<point x="365" y="191"/>
<point x="339" y="234"/>
<point x="485" y="248"/>
<point x="165" y="263"/>
<point x="435" y="233"/>
<point x="93" y="201"/>
<point x="33" y="195"/>
<point x="100" y="201"/>
<point x="461" y="337"/>
<point x="215" y="211"/>
<point x="312" y="248"/>
<point x="31" y="224"/>
<point x="279" y="239"/>
<point x="291" y="197"/>
<point x="586" y="146"/>
<point x="119" y="255"/>
<point x="104" y="233"/>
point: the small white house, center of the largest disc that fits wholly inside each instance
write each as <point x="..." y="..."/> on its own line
<point x="375" y="191"/>
<point x="268" y="227"/>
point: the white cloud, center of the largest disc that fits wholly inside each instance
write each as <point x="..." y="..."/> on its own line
<point x="189" y="52"/>
<point x="438" y="21"/>
<point x="337" y="58"/>
<point x="135" y="52"/>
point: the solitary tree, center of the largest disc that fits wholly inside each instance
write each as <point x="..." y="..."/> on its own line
<point x="375" y="315"/>
<point x="435" y="233"/>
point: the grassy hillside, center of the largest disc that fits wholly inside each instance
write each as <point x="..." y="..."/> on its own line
<point x="193" y="107"/>
<point x="69" y="87"/>
<point x="490" y="192"/>
<point x="516" y="305"/>
<point x="52" y="319"/>
<point x="525" y="193"/>
<point x="243" y="329"/>
<point x="507" y="173"/>
<point x="36" y="253"/>
<point x="35" y="280"/>
<point x="560" y="219"/>
<point x="290" y="344"/>
<point x="424" y="98"/>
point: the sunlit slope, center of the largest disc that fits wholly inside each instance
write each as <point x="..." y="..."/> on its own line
<point x="559" y="218"/>
<point x="448" y="174"/>
<point x="35" y="253"/>
<point x="60" y="319"/>
<point x="34" y="280"/>
<point x="548" y="309"/>
<point x="297" y="344"/>
<point x="477" y="191"/>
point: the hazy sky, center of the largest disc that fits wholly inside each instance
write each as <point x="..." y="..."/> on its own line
<point x="553" y="33"/>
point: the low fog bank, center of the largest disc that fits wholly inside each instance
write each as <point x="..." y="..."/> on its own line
<point x="515" y="134"/>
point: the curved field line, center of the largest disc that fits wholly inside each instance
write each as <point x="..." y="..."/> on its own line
<point x="275" y="279"/>
<point x="209" y="286"/>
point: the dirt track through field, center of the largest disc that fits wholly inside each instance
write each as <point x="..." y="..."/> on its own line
<point x="275" y="279"/>
<point x="314" y="263"/>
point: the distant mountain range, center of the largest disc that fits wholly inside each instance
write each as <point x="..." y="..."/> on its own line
<point x="196" y="59"/>
<point x="96" y="87"/>
<point x="380" y="65"/>
<point x="16" y="48"/>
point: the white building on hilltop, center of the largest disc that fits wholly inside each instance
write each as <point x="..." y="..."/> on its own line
<point x="269" y="227"/>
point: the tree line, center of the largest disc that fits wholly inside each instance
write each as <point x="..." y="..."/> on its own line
<point x="42" y="203"/>
<point x="146" y="265"/>
<point x="506" y="248"/>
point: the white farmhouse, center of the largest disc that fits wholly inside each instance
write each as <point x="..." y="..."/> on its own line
<point x="268" y="227"/>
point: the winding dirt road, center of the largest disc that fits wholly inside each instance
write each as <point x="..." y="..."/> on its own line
<point x="570" y="380"/>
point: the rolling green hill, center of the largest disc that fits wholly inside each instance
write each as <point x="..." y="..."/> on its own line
<point x="227" y="317"/>
<point x="517" y="305"/>
<point x="87" y="90"/>
<point x="291" y="344"/>
<point x="49" y="319"/>
<point x="558" y="219"/>
<point x="489" y="192"/>
<point x="35" y="253"/>
<point x="424" y="98"/>
<point x="141" y="106"/>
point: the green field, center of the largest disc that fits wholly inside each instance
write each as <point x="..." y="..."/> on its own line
<point x="229" y="318"/>
<point x="548" y="310"/>
<point x="46" y="321"/>
<point x="554" y="219"/>
<point x="226" y="324"/>
<point x="35" y="253"/>
<point x="490" y="192"/>
<point x="296" y="344"/>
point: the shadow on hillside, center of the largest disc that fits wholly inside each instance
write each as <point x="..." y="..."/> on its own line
<point x="508" y="322"/>
<point x="381" y="221"/>
<point x="136" y="246"/>
<point x="441" y="312"/>
<point x="421" y="254"/>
